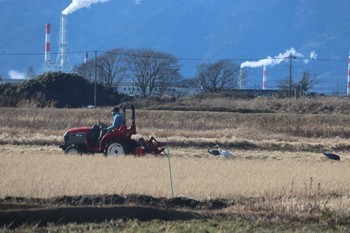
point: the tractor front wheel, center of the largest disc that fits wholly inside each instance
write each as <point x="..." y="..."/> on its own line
<point x="114" y="148"/>
<point x="73" y="150"/>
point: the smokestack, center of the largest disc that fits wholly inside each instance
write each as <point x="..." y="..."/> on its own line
<point x="240" y="79"/>
<point x="264" y="78"/>
<point x="86" y="55"/>
<point x="47" y="43"/>
<point x="348" y="84"/>
<point x="63" y="45"/>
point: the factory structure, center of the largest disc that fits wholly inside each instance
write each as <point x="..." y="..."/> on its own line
<point x="61" y="62"/>
<point x="264" y="78"/>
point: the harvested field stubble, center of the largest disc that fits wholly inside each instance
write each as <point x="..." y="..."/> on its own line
<point x="305" y="132"/>
<point x="42" y="175"/>
<point x="278" y="171"/>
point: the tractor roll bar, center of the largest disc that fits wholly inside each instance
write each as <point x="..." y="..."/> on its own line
<point x="123" y="107"/>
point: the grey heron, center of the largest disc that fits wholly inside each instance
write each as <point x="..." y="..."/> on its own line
<point x="331" y="155"/>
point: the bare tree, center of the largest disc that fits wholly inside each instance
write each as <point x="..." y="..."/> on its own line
<point x="283" y="85"/>
<point x="111" y="67"/>
<point x="307" y="81"/>
<point x="30" y="72"/>
<point x="86" y="70"/>
<point x="300" y="88"/>
<point x="218" y="76"/>
<point x="150" y="69"/>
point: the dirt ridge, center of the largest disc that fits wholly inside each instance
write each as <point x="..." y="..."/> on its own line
<point x="16" y="211"/>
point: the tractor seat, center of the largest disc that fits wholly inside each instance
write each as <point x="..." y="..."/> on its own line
<point x="120" y="131"/>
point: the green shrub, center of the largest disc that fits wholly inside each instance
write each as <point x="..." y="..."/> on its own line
<point x="57" y="89"/>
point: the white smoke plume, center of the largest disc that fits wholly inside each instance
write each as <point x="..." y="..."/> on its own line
<point x="271" y="61"/>
<point x="313" y="55"/>
<point x="78" y="4"/>
<point x="14" y="74"/>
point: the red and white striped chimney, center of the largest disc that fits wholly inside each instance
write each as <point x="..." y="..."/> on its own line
<point x="47" y="43"/>
<point x="348" y="84"/>
<point x="264" y="78"/>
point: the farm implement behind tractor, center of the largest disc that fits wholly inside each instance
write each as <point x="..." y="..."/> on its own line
<point x="96" y="139"/>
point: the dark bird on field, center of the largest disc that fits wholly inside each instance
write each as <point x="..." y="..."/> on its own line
<point x="218" y="151"/>
<point x="215" y="150"/>
<point x="331" y="155"/>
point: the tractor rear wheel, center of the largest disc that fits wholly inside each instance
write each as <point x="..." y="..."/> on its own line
<point x="72" y="150"/>
<point x="114" y="148"/>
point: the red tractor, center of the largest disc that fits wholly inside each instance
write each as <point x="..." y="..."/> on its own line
<point x="97" y="139"/>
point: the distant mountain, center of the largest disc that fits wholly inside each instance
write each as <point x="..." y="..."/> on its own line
<point x="191" y="30"/>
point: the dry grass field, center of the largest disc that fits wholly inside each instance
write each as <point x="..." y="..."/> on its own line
<point x="278" y="165"/>
<point x="45" y="172"/>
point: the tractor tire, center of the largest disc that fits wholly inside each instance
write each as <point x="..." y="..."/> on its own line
<point x="73" y="150"/>
<point x="114" y="148"/>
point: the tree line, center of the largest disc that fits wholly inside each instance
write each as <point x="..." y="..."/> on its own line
<point x="150" y="71"/>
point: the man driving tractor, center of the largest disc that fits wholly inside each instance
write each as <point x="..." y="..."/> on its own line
<point x="118" y="119"/>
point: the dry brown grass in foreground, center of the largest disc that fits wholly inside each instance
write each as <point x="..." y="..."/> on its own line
<point x="287" y="181"/>
<point x="279" y="169"/>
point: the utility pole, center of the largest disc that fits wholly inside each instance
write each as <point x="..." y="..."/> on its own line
<point x="348" y="83"/>
<point x="95" y="78"/>
<point x="290" y="57"/>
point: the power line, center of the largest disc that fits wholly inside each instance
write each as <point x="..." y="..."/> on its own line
<point x="179" y="58"/>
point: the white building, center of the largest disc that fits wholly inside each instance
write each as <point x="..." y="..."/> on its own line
<point x="131" y="89"/>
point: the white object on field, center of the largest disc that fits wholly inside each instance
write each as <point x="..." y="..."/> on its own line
<point x="226" y="154"/>
<point x="222" y="153"/>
